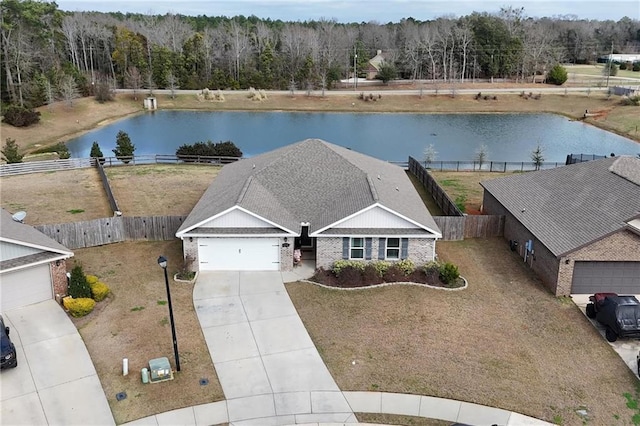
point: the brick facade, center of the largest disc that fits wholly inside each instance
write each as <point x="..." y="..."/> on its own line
<point x="623" y="246"/>
<point x="59" y="278"/>
<point x="421" y="250"/>
<point x="543" y="262"/>
<point x="557" y="274"/>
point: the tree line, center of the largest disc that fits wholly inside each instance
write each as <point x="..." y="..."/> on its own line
<point x="49" y="55"/>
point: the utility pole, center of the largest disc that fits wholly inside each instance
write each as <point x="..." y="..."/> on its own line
<point x="610" y="61"/>
<point x="355" y="69"/>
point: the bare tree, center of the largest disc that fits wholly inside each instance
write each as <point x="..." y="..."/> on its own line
<point x="68" y="89"/>
<point x="482" y="153"/>
<point x="172" y="84"/>
<point x="430" y="155"/>
<point x="133" y="80"/>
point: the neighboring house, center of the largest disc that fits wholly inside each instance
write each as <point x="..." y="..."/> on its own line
<point x="373" y="66"/>
<point x="577" y="226"/>
<point x="32" y="265"/>
<point x="329" y="201"/>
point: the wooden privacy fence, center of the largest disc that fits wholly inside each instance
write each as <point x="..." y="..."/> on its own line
<point x="438" y="194"/>
<point x="97" y="232"/>
<point x="455" y="228"/>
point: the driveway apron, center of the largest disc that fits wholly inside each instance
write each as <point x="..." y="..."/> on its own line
<point x="265" y="360"/>
<point x="55" y="381"/>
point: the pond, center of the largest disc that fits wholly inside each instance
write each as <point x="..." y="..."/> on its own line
<point x="388" y="136"/>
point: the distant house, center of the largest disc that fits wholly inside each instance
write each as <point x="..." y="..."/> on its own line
<point x="32" y="265"/>
<point x="620" y="58"/>
<point x="373" y="66"/>
<point x="577" y="226"/>
<point x="328" y="201"/>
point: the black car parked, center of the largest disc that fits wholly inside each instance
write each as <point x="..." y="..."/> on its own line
<point x="620" y="315"/>
<point x="9" y="358"/>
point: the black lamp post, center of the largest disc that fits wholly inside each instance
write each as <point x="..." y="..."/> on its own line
<point x="162" y="261"/>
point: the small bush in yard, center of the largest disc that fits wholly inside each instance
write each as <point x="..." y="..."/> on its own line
<point x="99" y="291"/>
<point x="79" y="307"/>
<point x="406" y="266"/>
<point x="381" y="267"/>
<point x="340" y="265"/>
<point x="78" y="285"/>
<point x="91" y="279"/>
<point x="449" y="273"/>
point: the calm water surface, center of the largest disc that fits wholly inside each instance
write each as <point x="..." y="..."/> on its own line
<point x="388" y="136"/>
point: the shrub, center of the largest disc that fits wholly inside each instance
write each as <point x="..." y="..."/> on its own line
<point x="10" y="152"/>
<point x="62" y="150"/>
<point x="339" y="266"/>
<point x="636" y="66"/>
<point x="18" y="116"/>
<point x="104" y="93"/>
<point x="405" y="266"/>
<point x="79" y="307"/>
<point x="557" y="75"/>
<point x="91" y="279"/>
<point x="461" y="202"/>
<point x="210" y="149"/>
<point x="448" y="273"/>
<point x="632" y="100"/>
<point x="370" y="275"/>
<point x="99" y="291"/>
<point x="623" y="66"/>
<point x="78" y="285"/>
<point x="380" y="267"/>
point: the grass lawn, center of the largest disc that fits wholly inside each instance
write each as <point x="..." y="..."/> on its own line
<point x="159" y="189"/>
<point x="133" y="323"/>
<point x="599" y="70"/>
<point x="465" y="184"/>
<point x="504" y="342"/>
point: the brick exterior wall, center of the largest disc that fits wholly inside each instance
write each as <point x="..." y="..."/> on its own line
<point x="621" y="246"/>
<point x="557" y="274"/>
<point x="421" y="250"/>
<point x="59" y="278"/>
<point x="190" y="248"/>
<point x="543" y="262"/>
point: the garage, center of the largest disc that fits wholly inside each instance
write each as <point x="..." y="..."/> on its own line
<point x="239" y="254"/>
<point x="616" y="277"/>
<point x="25" y="287"/>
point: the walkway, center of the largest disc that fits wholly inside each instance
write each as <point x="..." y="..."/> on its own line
<point x="271" y="372"/>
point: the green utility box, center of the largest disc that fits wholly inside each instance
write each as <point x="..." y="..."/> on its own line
<point x="160" y="370"/>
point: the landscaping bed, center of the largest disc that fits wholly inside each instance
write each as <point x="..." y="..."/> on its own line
<point x="504" y="342"/>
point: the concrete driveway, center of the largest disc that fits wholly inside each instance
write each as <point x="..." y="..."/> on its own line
<point x="55" y="382"/>
<point x="627" y="348"/>
<point x="269" y="368"/>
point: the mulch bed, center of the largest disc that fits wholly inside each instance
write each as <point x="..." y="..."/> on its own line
<point x="354" y="279"/>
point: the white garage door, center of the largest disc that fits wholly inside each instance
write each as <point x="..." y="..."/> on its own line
<point x="25" y="287"/>
<point x="616" y="277"/>
<point x="238" y="254"/>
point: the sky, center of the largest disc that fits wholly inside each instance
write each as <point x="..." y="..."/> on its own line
<point x="381" y="11"/>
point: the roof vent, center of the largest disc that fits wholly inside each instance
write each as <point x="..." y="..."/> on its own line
<point x="397" y="189"/>
<point x="19" y="216"/>
<point x="254" y="166"/>
<point x="378" y="177"/>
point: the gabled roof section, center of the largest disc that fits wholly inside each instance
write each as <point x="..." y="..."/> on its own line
<point x="310" y="181"/>
<point x="26" y="235"/>
<point x="571" y="206"/>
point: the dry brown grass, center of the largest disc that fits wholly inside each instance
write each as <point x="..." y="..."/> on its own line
<point x="56" y="197"/>
<point x="133" y="323"/>
<point x="465" y="184"/>
<point x="503" y="342"/>
<point x="159" y="189"/>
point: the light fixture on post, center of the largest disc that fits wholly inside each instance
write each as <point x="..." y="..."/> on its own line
<point x="162" y="261"/>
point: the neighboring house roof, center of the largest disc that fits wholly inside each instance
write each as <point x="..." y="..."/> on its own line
<point x="42" y="247"/>
<point x="377" y="60"/>
<point x="310" y="181"/>
<point x="569" y="207"/>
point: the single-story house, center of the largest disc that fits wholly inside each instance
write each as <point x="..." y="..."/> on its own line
<point x="577" y="226"/>
<point x="32" y="265"/>
<point x="373" y="66"/>
<point x="325" y="200"/>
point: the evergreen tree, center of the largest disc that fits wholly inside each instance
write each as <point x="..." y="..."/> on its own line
<point x="78" y="285"/>
<point x="10" y="152"/>
<point x="124" y="148"/>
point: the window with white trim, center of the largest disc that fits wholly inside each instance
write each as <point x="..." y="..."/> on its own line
<point x="356" y="248"/>
<point x="393" y="248"/>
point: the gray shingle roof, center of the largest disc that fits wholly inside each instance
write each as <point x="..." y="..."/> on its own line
<point x="10" y="230"/>
<point x="568" y="207"/>
<point x="310" y="181"/>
